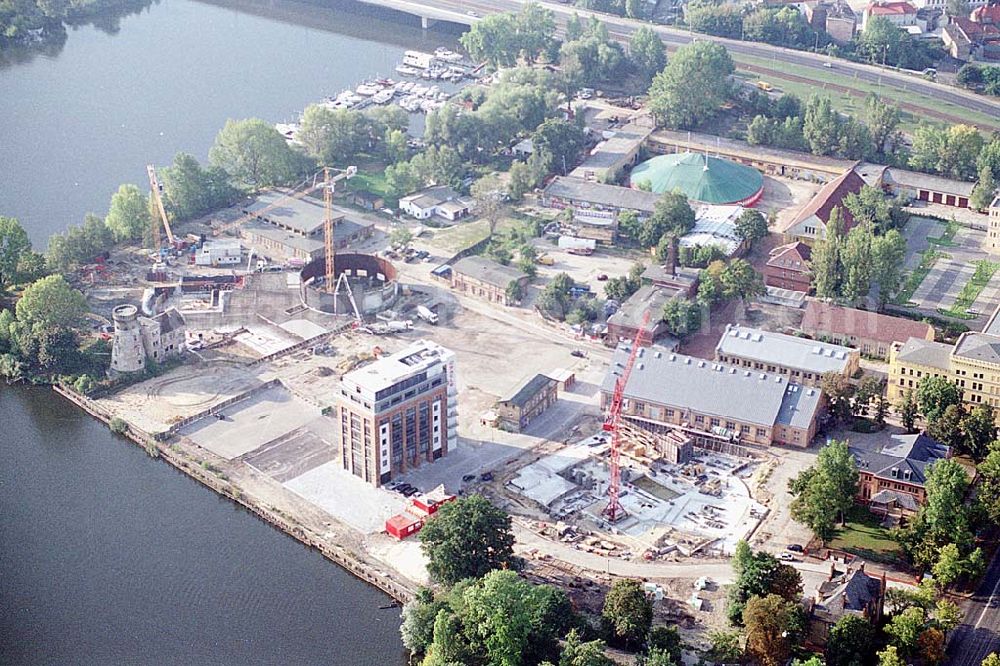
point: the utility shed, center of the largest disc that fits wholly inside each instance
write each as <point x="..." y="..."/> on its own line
<point x="531" y="398"/>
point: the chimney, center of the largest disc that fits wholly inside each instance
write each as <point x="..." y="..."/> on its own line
<point x="833" y="571"/>
<point x="670" y="261"/>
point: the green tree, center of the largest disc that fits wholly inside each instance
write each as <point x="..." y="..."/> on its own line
<point x="51" y="302"/>
<point x="947" y="428"/>
<point x="740" y="280"/>
<point x="402" y="178"/>
<point x="771" y="624"/>
<point x="514" y="291"/>
<point x="400" y="237"/>
<point x="988" y="492"/>
<point x="943" y="519"/>
<point x="191" y="190"/>
<point x="907" y="410"/>
<point x="419" y="615"/>
<point x="856" y="259"/>
<point x="334" y="136"/>
<point x="890" y="657"/>
<point x="128" y="217"/>
<point x="648" y="54"/>
<point x="947" y="615"/>
<point x="850" y="641"/>
<point x="490" y="196"/>
<point x="714" y="18"/>
<point x="726" y="646"/>
<point x="905" y="628"/>
<point x="992" y="659"/>
<point x="751" y="226"/>
<point x="14" y="246"/>
<point x="985" y="190"/>
<point x="255" y="155"/>
<point x="500" y="39"/>
<point x="934" y="395"/>
<point x="576" y="652"/>
<point x="627" y="613"/>
<point x="562" y="140"/>
<point x="682" y="317"/>
<point x="979" y="431"/>
<point x="883" y="121"/>
<point x="931" y="646"/>
<point x="825" y="262"/>
<point x="821" y="126"/>
<point x="951" y="152"/>
<point x="466" y="539"/>
<point x="825" y="490"/>
<point x="757" y="575"/>
<point x="949" y="566"/>
<point x="693" y="86"/>
<point x="888" y="252"/>
<point x="671" y="214"/>
<point x="520" y="180"/>
<point x="667" y="640"/>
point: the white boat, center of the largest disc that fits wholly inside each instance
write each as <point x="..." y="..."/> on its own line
<point x="382" y="97"/>
<point x="418" y="59"/>
<point x="418" y="89"/>
<point x="406" y="86"/>
<point x="442" y="53"/>
<point x="367" y="89"/>
<point x="406" y="70"/>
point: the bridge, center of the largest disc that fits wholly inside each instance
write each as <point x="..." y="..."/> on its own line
<point x="941" y="101"/>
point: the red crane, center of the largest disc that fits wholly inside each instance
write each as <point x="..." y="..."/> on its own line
<point x="612" y="422"/>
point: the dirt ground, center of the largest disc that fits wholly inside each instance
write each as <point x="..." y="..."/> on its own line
<point x="784" y="197"/>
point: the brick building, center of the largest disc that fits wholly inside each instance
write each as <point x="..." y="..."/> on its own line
<point x="788" y="267"/>
<point x="527" y="403"/>
<point x="486" y="279"/>
<point x="799" y="359"/>
<point x="870" y="332"/>
<point x="891" y="480"/>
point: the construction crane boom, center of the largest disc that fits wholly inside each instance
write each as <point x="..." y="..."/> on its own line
<point x="157" y="190"/>
<point x="612" y="424"/>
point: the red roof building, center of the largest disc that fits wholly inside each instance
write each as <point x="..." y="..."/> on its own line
<point x="403" y="525"/>
<point x="809" y="224"/>
<point x="900" y="14"/>
<point x="870" y="332"/>
<point x="986" y="14"/>
<point x="788" y="267"/>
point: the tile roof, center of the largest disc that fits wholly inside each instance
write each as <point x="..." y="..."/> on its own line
<point x="825" y="318"/>
<point x="850" y="592"/>
<point x="529" y="389"/>
<point x="614" y="196"/>
<point x="829" y="197"/>
<point x="905" y="500"/>
<point x="891" y="9"/>
<point x="647" y="298"/>
<point x="924" y="352"/>
<point x="979" y="347"/>
<point x="302" y="216"/>
<point x="784" y="350"/>
<point x="712" y="388"/>
<point x="798" y="253"/>
<point x="488" y="271"/>
<point x="904" y="461"/>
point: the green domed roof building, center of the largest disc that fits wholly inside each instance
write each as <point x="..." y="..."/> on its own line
<point x="702" y="178"/>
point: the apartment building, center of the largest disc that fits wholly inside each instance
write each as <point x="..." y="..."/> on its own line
<point x="712" y="402"/>
<point x="973" y="364"/>
<point x="801" y="360"/>
<point x="891" y="480"/>
<point x="398" y="412"/>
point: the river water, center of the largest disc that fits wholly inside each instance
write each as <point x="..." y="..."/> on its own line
<point x="107" y="556"/>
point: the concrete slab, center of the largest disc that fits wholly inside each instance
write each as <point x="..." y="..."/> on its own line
<point x="347" y="498"/>
<point x="293" y="454"/>
<point x="252" y="423"/>
<point x="303" y="328"/>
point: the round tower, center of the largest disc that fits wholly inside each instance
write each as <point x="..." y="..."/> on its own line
<point x="127" y="353"/>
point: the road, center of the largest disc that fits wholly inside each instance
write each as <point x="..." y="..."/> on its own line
<point x="979" y="635"/>
<point x="459" y="11"/>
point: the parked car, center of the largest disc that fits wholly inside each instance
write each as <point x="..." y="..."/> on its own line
<point x="577" y="353"/>
<point x="795" y="548"/>
<point x="787" y="557"/>
<point x="602" y="277"/>
<point x="469" y="477"/>
<point x="486" y="476"/>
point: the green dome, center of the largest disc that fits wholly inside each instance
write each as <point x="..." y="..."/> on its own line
<point x="701" y="178"/>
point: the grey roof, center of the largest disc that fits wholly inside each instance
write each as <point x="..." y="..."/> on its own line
<point x="905" y="500"/>
<point x="169" y="320"/>
<point x="286" y="238"/>
<point x="650" y="298"/>
<point x="612" y="196"/>
<point x="682" y="275"/>
<point x="711" y="388"/>
<point x="432" y="196"/>
<point x="929" y="182"/>
<point x="487" y="270"/>
<point x="799" y="407"/>
<point x="909" y="456"/>
<point x="924" y="352"/>
<point x="300" y="215"/>
<point x="529" y="389"/>
<point x="785" y="350"/>
<point x="850" y="592"/>
<point x="979" y="347"/>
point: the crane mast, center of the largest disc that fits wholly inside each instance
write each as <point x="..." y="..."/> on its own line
<point x="612" y="424"/>
<point x="159" y="216"/>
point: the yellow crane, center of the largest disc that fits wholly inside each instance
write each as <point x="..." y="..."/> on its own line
<point x="328" y="186"/>
<point x="160" y="214"/>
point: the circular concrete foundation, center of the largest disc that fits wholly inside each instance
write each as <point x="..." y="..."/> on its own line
<point x="372" y="280"/>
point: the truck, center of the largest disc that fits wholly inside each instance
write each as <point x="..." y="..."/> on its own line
<point x="427" y="315"/>
<point x="574" y="245"/>
<point x="546" y="260"/>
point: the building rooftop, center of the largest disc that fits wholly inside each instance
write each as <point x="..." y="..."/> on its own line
<point x="660" y="274"/>
<point x="487" y="270"/>
<point x="794" y="256"/>
<point x="715" y="144"/>
<point x="432" y="196"/>
<point x="924" y="352"/>
<point x="850" y="592"/>
<point x="612" y="196"/>
<point x="821" y="318"/>
<point x="700" y="176"/>
<point x="891" y="9"/>
<point x="529" y="389"/>
<point x="927" y="181"/>
<point x="715" y="225"/>
<point x="829" y="197"/>
<point x="784" y="350"/>
<point x="421" y="356"/>
<point x="301" y="215"/>
<point x="979" y="347"/>
<point x="905" y="459"/>
<point x="712" y="388"/>
<point x="169" y="320"/>
<point x="648" y="298"/>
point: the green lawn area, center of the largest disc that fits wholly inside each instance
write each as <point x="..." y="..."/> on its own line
<point x="865" y="537"/>
<point x="913" y="280"/>
<point x="465" y="234"/>
<point x="373" y="181"/>
<point x="854" y="104"/>
<point x="984" y="273"/>
<point x="947" y="236"/>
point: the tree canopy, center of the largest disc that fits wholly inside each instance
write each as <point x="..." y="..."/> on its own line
<point x="466" y="539"/>
<point x="51" y="301"/>
<point x="693" y="86"/>
<point x="255" y="155"/>
<point x="628" y="613"/>
<point x="128" y="217"/>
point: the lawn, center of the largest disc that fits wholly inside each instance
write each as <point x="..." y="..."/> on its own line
<point x="454" y="239"/>
<point x="373" y="181"/>
<point x="865" y="537"/>
<point x="970" y="292"/>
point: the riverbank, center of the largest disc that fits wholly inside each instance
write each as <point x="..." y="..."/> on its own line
<point x="303" y="522"/>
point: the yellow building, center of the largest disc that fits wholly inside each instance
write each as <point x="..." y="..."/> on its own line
<point x="992" y="241"/>
<point x="973" y="364"/>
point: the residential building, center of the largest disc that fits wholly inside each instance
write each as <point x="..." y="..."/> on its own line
<point x="801" y="360"/>
<point x="163" y="336"/>
<point x="973" y="364"/>
<point x="871" y="332"/>
<point x="980" y="39"/>
<point x="956" y="42"/>
<point x="852" y="592"/>
<point x="713" y="402"/>
<point x="624" y="324"/>
<point x="439" y="200"/>
<point x="486" y="279"/>
<point x="527" y="403"/>
<point x="140" y="340"/>
<point x="618" y="150"/>
<point x="787" y="267"/>
<point x="398" y="412"/>
<point x="992" y="240"/>
<point x="809" y="224"/>
<point x="770" y="161"/>
<point x="577" y="193"/>
<point x="891" y="480"/>
<point x="900" y="14"/>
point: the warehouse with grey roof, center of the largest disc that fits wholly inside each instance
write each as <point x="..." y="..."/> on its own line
<point x="799" y="359"/>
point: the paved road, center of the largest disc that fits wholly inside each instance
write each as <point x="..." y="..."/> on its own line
<point x="980" y="634"/>
<point x="459" y="11"/>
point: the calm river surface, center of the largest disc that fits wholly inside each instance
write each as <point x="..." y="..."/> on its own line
<point x="107" y="556"/>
